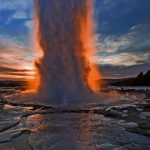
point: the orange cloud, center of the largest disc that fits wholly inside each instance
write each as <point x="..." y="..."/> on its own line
<point x="16" y="58"/>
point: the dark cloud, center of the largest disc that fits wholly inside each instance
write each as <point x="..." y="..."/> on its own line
<point x="7" y="69"/>
<point x="12" y="73"/>
<point x="123" y="72"/>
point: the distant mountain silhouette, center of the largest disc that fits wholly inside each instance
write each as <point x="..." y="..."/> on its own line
<point x="140" y="80"/>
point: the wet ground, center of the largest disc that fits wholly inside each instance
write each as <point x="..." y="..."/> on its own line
<point x="97" y="125"/>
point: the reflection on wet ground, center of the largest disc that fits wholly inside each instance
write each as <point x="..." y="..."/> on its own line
<point x="80" y="132"/>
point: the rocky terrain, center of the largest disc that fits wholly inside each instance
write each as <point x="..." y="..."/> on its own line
<point x="96" y="126"/>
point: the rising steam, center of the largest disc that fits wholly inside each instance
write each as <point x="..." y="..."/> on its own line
<point x="64" y="35"/>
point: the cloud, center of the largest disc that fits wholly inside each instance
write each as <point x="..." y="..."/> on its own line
<point x="122" y="59"/>
<point x="129" y="49"/>
<point x="10" y="73"/>
<point x="7" y="69"/>
<point x="123" y="72"/>
<point x="16" y="50"/>
<point x="110" y="7"/>
<point x="14" y="4"/>
<point x="20" y="9"/>
<point x="113" y="44"/>
<point x="29" y="24"/>
<point x="14" y="53"/>
<point x="16" y="59"/>
<point x="20" y="15"/>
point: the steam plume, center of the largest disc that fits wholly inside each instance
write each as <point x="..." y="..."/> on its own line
<point x="64" y="34"/>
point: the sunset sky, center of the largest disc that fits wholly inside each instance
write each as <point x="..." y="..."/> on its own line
<point x="122" y="37"/>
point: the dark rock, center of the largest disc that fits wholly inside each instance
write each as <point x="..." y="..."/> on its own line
<point x="139" y="131"/>
<point x="140" y="75"/>
<point x="130" y="125"/>
<point x="144" y="125"/>
<point x="113" y="113"/>
<point x="144" y="115"/>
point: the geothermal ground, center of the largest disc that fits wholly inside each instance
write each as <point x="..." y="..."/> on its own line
<point x="119" y="120"/>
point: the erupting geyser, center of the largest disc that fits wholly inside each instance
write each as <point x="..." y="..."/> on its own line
<point x="64" y="34"/>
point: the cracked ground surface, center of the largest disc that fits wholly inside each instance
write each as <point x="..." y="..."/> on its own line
<point x="37" y="127"/>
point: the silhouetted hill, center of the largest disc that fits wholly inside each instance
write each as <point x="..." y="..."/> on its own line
<point x="140" y="80"/>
